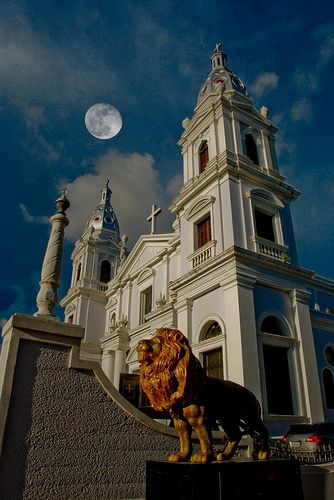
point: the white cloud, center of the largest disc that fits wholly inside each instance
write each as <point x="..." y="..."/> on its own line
<point x="41" y="219"/>
<point x="174" y="185"/>
<point x="34" y="117"/>
<point x="34" y="66"/>
<point x="301" y="111"/>
<point x="19" y="304"/>
<point x="308" y="76"/>
<point x="326" y="51"/>
<point x="285" y="145"/>
<point x="135" y="185"/>
<point x="264" y="83"/>
<point x="315" y="235"/>
<point x="36" y="141"/>
<point x="306" y="80"/>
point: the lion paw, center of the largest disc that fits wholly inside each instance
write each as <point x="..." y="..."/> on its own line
<point x="201" y="458"/>
<point x="263" y="455"/>
<point x="228" y="451"/>
<point x="178" y="457"/>
<point x="260" y="455"/>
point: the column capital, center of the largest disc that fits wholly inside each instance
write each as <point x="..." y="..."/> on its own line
<point x="186" y="304"/>
<point x="236" y="277"/>
<point x="300" y="295"/>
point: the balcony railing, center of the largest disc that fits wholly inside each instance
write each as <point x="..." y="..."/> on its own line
<point x="271" y="249"/>
<point x="203" y="254"/>
<point x="94" y="284"/>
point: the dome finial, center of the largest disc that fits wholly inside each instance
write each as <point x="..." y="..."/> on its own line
<point x="218" y="58"/>
<point x="218" y="47"/>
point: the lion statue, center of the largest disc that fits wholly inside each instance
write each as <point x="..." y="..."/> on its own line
<point x="174" y="380"/>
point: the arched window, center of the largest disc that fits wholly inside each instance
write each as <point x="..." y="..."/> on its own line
<point x="277" y="366"/>
<point x="327" y="379"/>
<point x="78" y="273"/>
<point x="272" y="325"/>
<point x="203" y="153"/>
<point x="105" y="271"/>
<point x="211" y="349"/>
<point x="329" y="355"/>
<point x="251" y="149"/>
<point x="213" y="330"/>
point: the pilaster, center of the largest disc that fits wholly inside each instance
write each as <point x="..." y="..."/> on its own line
<point x="184" y="317"/>
<point x="310" y="385"/>
<point x="241" y="337"/>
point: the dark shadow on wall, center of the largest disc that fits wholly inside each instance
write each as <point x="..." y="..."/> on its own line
<point x="15" y="445"/>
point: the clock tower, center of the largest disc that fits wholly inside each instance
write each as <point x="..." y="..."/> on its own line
<point x="233" y="193"/>
<point x="96" y="258"/>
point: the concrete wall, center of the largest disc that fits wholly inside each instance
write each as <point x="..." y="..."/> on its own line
<point x="68" y="434"/>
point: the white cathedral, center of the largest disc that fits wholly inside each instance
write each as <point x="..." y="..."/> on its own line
<point x="227" y="275"/>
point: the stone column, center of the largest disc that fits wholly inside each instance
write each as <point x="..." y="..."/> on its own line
<point x="108" y="363"/>
<point x="119" y="366"/>
<point x="120" y="351"/>
<point x="114" y="349"/>
<point x="47" y="297"/>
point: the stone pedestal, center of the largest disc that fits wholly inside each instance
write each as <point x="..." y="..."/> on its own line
<point x="232" y="480"/>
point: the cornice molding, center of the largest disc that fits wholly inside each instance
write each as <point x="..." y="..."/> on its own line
<point x="320" y="320"/>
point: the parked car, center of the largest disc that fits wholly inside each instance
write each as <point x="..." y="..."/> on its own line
<point x="309" y="442"/>
<point x="309" y="438"/>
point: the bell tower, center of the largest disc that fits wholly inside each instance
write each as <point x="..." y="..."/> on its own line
<point x="233" y="193"/>
<point x="96" y="258"/>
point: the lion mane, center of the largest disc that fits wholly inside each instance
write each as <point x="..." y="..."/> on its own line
<point x="165" y="368"/>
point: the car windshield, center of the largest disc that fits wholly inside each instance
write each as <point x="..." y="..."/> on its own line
<point x="302" y="429"/>
<point x="311" y="428"/>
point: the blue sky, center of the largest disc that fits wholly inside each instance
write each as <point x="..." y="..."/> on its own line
<point x="149" y="59"/>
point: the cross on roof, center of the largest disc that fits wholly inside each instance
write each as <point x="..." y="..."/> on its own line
<point x="151" y="218"/>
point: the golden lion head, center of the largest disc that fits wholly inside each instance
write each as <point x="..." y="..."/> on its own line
<point x="163" y="367"/>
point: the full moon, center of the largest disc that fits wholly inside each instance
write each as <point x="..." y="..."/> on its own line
<point x="103" y="121"/>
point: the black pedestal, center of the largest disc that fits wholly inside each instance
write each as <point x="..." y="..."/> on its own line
<point x="231" y="480"/>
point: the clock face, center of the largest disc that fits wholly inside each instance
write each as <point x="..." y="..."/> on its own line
<point x="109" y="219"/>
<point x="237" y="82"/>
<point x="97" y="218"/>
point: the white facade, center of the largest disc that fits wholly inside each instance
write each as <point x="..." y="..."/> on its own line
<point x="227" y="275"/>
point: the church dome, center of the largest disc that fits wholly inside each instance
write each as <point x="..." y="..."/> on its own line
<point x="221" y="78"/>
<point x="103" y="217"/>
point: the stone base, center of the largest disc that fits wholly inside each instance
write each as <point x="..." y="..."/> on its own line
<point x="232" y="480"/>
